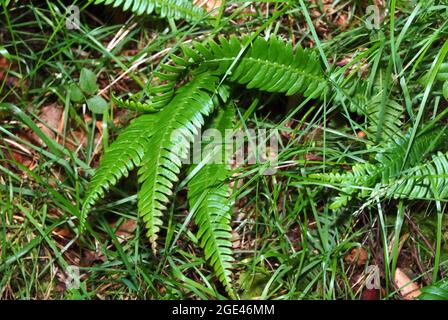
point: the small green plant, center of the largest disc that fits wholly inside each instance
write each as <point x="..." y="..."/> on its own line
<point x="210" y="69"/>
<point x="85" y="92"/>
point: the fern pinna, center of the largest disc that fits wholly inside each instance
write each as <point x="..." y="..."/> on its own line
<point x="158" y="142"/>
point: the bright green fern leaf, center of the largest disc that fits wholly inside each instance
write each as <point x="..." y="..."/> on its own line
<point x="428" y="181"/>
<point x="388" y="120"/>
<point x="364" y="177"/>
<point x="136" y="105"/>
<point x="177" y="9"/>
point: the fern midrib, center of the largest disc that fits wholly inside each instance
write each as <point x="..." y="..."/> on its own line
<point x="284" y="67"/>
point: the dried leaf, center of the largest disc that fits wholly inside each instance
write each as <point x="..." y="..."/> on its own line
<point x="409" y="290"/>
<point x="357" y="255"/>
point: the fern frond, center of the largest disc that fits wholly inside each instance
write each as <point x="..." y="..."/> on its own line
<point x="177" y="124"/>
<point x="370" y="107"/>
<point x="428" y="181"/>
<point x="387" y="168"/>
<point x="273" y="66"/>
<point x="123" y="155"/>
<point x="177" y="9"/>
<point x="208" y="193"/>
<point x="269" y="65"/>
<point x="360" y="179"/>
<point x="392" y="156"/>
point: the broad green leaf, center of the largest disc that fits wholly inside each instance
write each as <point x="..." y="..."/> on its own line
<point x="87" y="82"/>
<point x="97" y="104"/>
<point x="76" y="94"/>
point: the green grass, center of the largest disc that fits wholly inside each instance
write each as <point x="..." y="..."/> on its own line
<point x="288" y="243"/>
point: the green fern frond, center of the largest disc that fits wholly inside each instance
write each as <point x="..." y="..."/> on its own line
<point x="177" y="9"/>
<point x="428" y="181"/>
<point x="387" y="168"/>
<point x="269" y="65"/>
<point x="123" y="155"/>
<point x="371" y="107"/>
<point x="392" y="156"/>
<point x="177" y="124"/>
<point x="208" y="193"/>
<point x="360" y="179"/>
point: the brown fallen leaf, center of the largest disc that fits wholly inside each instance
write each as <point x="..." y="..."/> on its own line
<point x="409" y="290"/>
<point x="208" y="5"/>
<point x="13" y="150"/>
<point x="126" y="230"/>
<point x="370" y="294"/>
<point x="236" y="240"/>
<point x="62" y="232"/>
<point x="89" y="257"/>
<point x="50" y="116"/>
<point x="357" y="255"/>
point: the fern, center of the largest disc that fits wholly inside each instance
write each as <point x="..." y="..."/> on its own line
<point x="388" y="120"/>
<point x="387" y="170"/>
<point x="437" y="291"/>
<point x="158" y="142"/>
<point x="123" y="155"/>
<point x="178" y="122"/>
<point x="428" y="181"/>
<point x="177" y="9"/>
<point x="145" y="107"/>
<point x="208" y="191"/>
<point x="269" y="65"/>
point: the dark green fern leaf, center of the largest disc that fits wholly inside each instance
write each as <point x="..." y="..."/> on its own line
<point x="208" y="194"/>
<point x="359" y="180"/>
<point x="392" y="156"/>
<point x="437" y="291"/>
<point x="371" y="108"/>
